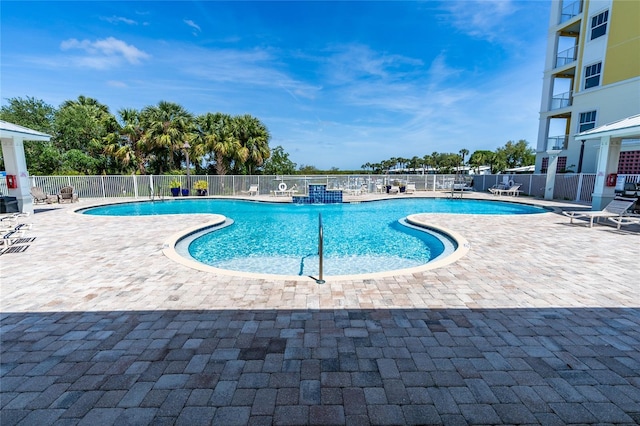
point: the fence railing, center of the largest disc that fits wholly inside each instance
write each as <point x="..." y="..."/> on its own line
<point x="568" y="186"/>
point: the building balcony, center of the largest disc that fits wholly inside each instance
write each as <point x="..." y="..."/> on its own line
<point x="570" y="9"/>
<point x="566" y="56"/>
<point x="561" y="100"/>
<point x="557" y="143"/>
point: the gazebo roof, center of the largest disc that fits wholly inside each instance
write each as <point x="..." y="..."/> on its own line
<point x="627" y="128"/>
<point x="10" y="131"/>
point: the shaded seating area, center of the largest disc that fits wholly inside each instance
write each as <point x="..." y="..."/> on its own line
<point x="67" y="193"/>
<point x="615" y="209"/>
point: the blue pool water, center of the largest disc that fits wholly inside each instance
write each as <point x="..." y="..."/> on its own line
<point x="282" y="238"/>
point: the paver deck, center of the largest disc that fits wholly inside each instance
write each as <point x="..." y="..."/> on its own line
<point x="538" y="324"/>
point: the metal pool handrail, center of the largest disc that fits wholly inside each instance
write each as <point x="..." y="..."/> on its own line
<point x="320" y="248"/>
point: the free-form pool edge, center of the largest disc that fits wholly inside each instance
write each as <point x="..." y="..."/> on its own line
<point x="463" y="247"/>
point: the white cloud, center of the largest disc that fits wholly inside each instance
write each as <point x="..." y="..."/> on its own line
<point x="119" y="19"/>
<point x="481" y="19"/>
<point x="105" y="53"/>
<point x="193" y="25"/>
<point x="245" y="69"/>
<point x="117" y="84"/>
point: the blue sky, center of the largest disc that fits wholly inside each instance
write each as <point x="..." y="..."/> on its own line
<point x="338" y="84"/>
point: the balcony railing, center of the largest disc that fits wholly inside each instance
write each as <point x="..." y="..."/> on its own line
<point x="561" y="100"/>
<point x="566" y="56"/>
<point x="557" y="143"/>
<point x="570" y="9"/>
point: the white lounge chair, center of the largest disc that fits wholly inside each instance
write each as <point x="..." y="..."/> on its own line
<point x="624" y="220"/>
<point x="513" y="190"/>
<point x="394" y="190"/>
<point x="10" y="237"/>
<point x="410" y="188"/>
<point x="253" y="190"/>
<point x="615" y="209"/>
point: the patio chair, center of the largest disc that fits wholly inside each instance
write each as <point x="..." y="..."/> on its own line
<point x="512" y="190"/>
<point x="67" y="193"/>
<point x="410" y="188"/>
<point x="253" y="190"/>
<point x="624" y="220"/>
<point x="11" y="236"/>
<point x="39" y="196"/>
<point x="615" y="209"/>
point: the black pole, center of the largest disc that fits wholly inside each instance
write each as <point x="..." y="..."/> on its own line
<point x="581" y="155"/>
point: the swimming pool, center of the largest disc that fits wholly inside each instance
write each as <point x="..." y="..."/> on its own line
<point x="282" y="238"/>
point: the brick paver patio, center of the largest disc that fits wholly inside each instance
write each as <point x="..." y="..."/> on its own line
<point x="538" y="324"/>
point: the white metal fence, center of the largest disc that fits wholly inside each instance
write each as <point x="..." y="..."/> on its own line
<point x="570" y="186"/>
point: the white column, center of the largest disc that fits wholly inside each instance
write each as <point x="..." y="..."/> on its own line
<point x="607" y="163"/>
<point x="15" y="164"/>
<point x="551" y="175"/>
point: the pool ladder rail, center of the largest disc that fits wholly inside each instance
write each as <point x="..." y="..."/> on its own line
<point x="320" y="250"/>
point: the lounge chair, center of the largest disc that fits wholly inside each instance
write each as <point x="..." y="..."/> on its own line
<point x="39" y="196"/>
<point x="11" y="236"/>
<point x="624" y="220"/>
<point x="253" y="190"/>
<point x="394" y="190"/>
<point x="512" y="190"/>
<point x="410" y="188"/>
<point x="615" y="209"/>
<point x="67" y="193"/>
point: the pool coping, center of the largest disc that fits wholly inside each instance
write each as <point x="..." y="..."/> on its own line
<point x="169" y="244"/>
<point x="462" y="248"/>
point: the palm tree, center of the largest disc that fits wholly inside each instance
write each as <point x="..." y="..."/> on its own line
<point x="168" y="127"/>
<point x="253" y="137"/>
<point x="125" y="144"/>
<point x="463" y="153"/>
<point x="216" y="137"/>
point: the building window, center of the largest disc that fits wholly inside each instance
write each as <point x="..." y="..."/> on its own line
<point x="592" y="75"/>
<point x="587" y="121"/>
<point x="599" y="24"/>
<point x="560" y="165"/>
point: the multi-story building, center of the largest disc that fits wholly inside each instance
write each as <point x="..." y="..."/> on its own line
<point x="591" y="78"/>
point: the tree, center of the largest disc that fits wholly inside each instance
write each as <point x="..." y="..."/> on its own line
<point x="216" y="139"/>
<point x="168" y="127"/>
<point x="125" y="145"/>
<point x="516" y="154"/>
<point x="308" y="170"/>
<point x="480" y="158"/>
<point x="463" y="153"/>
<point x="414" y="163"/>
<point x="278" y="163"/>
<point x="253" y="138"/>
<point x="42" y="157"/>
<point x="82" y="126"/>
<point x="33" y="113"/>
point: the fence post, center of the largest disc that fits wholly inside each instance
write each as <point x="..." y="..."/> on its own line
<point x="135" y="186"/>
<point x="579" y="190"/>
<point x="104" y="193"/>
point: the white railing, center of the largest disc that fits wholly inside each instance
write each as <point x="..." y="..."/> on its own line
<point x="570" y="9"/>
<point x="569" y="186"/>
<point x="557" y="143"/>
<point x="566" y="56"/>
<point x="561" y="100"/>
